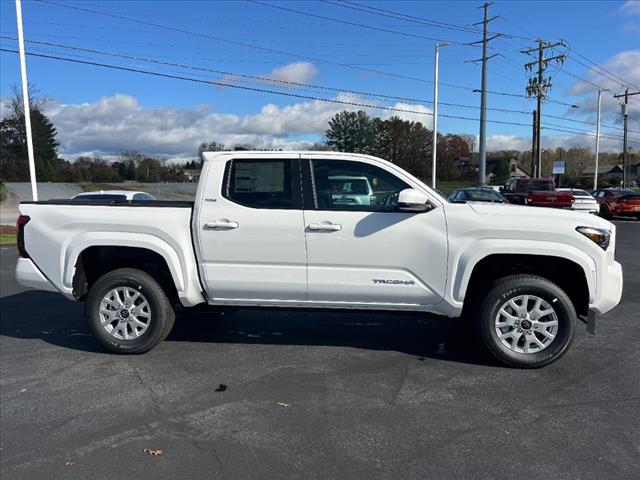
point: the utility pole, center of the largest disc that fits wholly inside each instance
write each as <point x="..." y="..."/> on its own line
<point x="533" y="143"/>
<point x="25" y="102"/>
<point x="435" y="114"/>
<point x="626" y="96"/>
<point x="482" y="153"/>
<point x="539" y="86"/>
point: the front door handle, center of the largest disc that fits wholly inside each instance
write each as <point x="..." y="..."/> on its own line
<point x="324" y="227"/>
<point x="222" y="225"/>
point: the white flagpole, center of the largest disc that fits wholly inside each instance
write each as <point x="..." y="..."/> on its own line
<point x="25" y="99"/>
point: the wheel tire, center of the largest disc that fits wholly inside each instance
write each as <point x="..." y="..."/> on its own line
<point x="513" y="286"/>
<point x="161" y="316"/>
<point x="604" y="212"/>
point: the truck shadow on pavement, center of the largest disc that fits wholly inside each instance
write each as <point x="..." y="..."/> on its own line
<point x="57" y="321"/>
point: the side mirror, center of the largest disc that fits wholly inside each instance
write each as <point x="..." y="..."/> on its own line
<point x="501" y="189"/>
<point x="412" y="200"/>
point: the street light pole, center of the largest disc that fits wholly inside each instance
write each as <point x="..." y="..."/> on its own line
<point x="435" y="113"/>
<point x="595" y="173"/>
<point x="25" y="102"/>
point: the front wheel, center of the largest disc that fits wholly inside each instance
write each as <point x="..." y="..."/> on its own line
<point x="527" y="321"/>
<point x="604" y="212"/>
<point x="127" y="311"/>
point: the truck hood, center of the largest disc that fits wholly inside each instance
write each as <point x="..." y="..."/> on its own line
<point x="540" y="215"/>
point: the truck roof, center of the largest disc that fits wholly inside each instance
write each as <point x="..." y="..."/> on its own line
<point x="269" y="154"/>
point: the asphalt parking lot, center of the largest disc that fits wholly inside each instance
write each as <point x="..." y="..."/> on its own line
<point x="285" y="394"/>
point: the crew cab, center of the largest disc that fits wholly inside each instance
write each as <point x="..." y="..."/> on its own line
<point x="266" y="230"/>
<point x="618" y="201"/>
<point x="536" y="192"/>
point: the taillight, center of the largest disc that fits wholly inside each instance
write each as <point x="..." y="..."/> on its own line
<point x="20" y="223"/>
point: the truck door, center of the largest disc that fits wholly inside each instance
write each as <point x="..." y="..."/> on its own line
<point x="368" y="252"/>
<point x="250" y="230"/>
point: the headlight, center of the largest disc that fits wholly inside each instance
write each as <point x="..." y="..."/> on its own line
<point x="600" y="236"/>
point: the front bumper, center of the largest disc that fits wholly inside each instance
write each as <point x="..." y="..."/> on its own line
<point x="610" y="289"/>
<point x="29" y="276"/>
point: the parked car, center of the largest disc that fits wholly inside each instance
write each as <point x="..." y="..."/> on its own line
<point x="478" y="194"/>
<point x="618" y="201"/>
<point x="351" y="190"/>
<point x="113" y="195"/>
<point x="583" y="201"/>
<point x="536" y="192"/>
<point x="265" y="231"/>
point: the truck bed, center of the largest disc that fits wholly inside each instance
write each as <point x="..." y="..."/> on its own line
<point x="58" y="231"/>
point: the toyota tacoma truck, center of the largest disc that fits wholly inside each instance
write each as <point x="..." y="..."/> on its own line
<point x="537" y="192"/>
<point x="266" y="230"/>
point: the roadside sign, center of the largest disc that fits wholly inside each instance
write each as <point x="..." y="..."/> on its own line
<point x="558" y="167"/>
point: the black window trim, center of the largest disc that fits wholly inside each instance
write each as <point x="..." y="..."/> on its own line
<point x="295" y="185"/>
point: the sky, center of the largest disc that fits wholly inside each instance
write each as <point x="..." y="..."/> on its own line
<point x="304" y="61"/>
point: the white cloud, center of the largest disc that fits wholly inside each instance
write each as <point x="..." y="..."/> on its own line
<point x="625" y="65"/>
<point x="299" y="72"/>
<point x="630" y="7"/>
<point x="119" y="122"/>
<point x="566" y="141"/>
<point x="413" y="113"/>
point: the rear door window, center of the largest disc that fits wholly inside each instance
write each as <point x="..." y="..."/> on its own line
<point x="262" y="183"/>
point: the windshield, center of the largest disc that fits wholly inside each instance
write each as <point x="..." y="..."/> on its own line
<point x="580" y="193"/>
<point x="624" y="191"/>
<point x="353" y="187"/>
<point x="484" y="196"/>
<point x="536" y="186"/>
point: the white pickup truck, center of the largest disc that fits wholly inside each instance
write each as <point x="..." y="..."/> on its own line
<point x="264" y="230"/>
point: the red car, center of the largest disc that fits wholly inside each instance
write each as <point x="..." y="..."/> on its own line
<point x="618" y="201"/>
<point x="536" y="192"/>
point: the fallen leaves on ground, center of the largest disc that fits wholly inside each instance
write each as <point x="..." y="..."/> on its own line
<point x="68" y="463"/>
<point x="152" y="452"/>
<point x="284" y="404"/>
<point x="23" y="390"/>
<point x="221" y="387"/>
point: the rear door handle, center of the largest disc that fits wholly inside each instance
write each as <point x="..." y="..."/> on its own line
<point x="221" y="225"/>
<point x="324" y="227"/>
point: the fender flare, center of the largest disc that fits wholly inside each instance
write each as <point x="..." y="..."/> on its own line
<point x="464" y="264"/>
<point x="72" y="250"/>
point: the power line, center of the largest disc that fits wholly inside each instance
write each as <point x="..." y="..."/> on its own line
<point x="287" y="83"/>
<point x="254" y="89"/>
<point x="265" y="49"/>
<point x="608" y="72"/>
<point x="401" y="16"/>
<point x="263" y="90"/>
<point x="413" y="18"/>
<point x="353" y="24"/>
<point x="241" y="44"/>
<point x="255" y="77"/>
<point x="587" y="134"/>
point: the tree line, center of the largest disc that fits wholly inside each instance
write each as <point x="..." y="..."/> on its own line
<point x="407" y="144"/>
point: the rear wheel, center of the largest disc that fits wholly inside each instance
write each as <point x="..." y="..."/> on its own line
<point x="526" y="321"/>
<point x="127" y="311"/>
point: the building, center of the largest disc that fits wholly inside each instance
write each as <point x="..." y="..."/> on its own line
<point x="470" y="166"/>
<point x="611" y="174"/>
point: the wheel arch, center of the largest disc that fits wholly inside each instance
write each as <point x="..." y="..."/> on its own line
<point x="93" y="254"/>
<point x="571" y="269"/>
